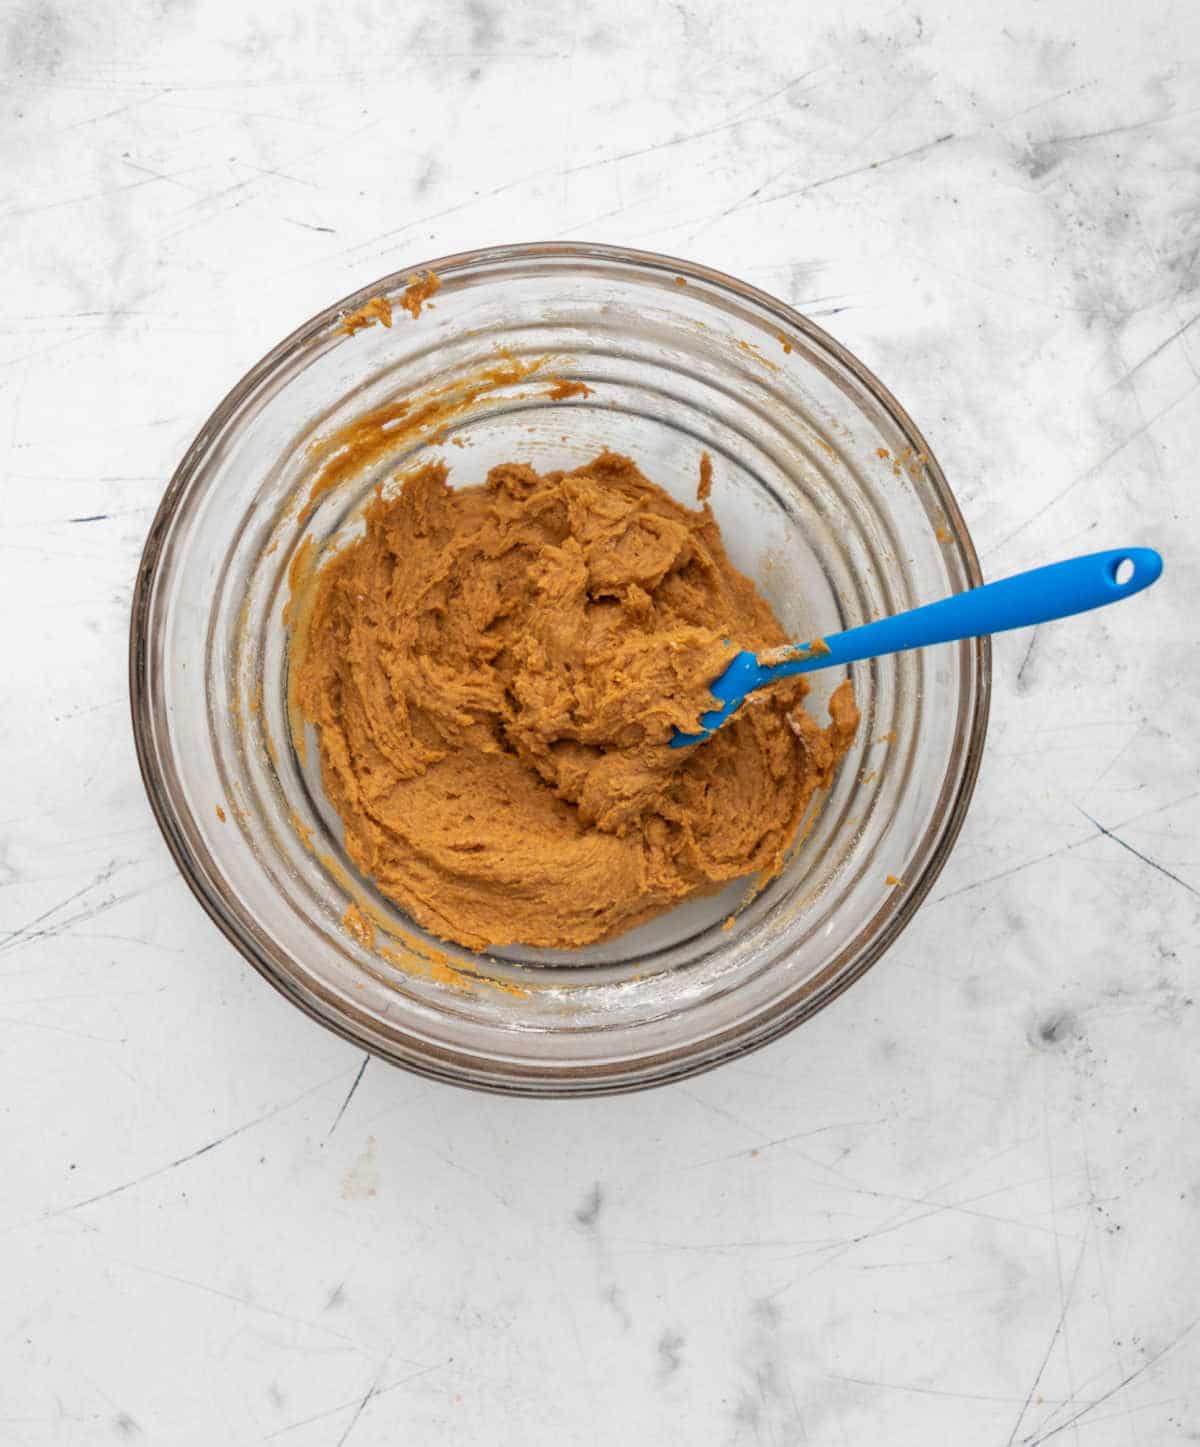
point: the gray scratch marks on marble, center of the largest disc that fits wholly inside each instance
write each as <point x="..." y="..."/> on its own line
<point x="921" y="1391"/>
<point x="25" y="931"/>
<point x="137" y="104"/>
<point x="719" y="128"/>
<point x="737" y="119"/>
<point x="106" y="194"/>
<point x="755" y="197"/>
<point x="64" y="1030"/>
<point x="1022" y="686"/>
<point x="184" y="1159"/>
<point x="1116" y="759"/>
<point x="1007" y="873"/>
<point x="596" y="163"/>
<point x="1137" y="854"/>
<point x="1054" y="1336"/>
<point x="249" y="1304"/>
<point x="1044" y="155"/>
<point x="358" y="1402"/>
<point x="1067" y="848"/>
<point x="1124" y="129"/>
<point x="786" y="1140"/>
<point x="1036" y="1440"/>
<point x="903" y="1219"/>
<point x="28" y="934"/>
<point x="899" y="1221"/>
<point x="1150" y="356"/>
<point x="721" y="1113"/>
<point x="372" y="1390"/>
<point x="480" y="1180"/>
<point x="870" y="166"/>
<point x="418" y="222"/>
<point x="1095" y="468"/>
<point x="214" y="204"/>
<point x="349" y="1095"/>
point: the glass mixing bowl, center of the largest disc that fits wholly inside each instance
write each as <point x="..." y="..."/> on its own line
<point x="826" y="494"/>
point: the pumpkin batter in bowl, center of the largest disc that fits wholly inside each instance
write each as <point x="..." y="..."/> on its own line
<point x="495" y="674"/>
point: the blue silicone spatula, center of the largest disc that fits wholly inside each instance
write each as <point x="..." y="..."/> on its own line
<point x="1039" y="596"/>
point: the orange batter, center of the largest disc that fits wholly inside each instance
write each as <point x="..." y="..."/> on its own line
<point x="495" y="674"/>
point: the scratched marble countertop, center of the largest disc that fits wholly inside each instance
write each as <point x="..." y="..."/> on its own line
<point x="963" y="1204"/>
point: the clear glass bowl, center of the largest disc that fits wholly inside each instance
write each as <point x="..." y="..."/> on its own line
<point x="826" y="494"/>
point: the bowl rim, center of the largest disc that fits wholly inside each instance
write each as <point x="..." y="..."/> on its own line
<point x="563" y="1083"/>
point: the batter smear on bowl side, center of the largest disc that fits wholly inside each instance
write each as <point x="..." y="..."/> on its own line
<point x="495" y="674"/>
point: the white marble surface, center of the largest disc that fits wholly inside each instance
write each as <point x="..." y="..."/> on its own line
<point x="963" y="1205"/>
